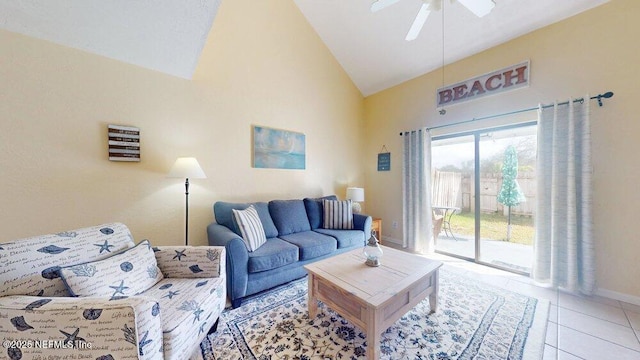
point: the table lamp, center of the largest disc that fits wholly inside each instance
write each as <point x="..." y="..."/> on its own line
<point x="356" y="195"/>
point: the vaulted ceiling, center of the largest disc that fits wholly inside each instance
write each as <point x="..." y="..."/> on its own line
<point x="168" y="36"/>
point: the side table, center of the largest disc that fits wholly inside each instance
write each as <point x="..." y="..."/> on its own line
<point x="376" y="225"/>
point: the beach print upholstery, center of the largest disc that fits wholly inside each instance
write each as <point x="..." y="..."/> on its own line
<point x="194" y="290"/>
<point x="150" y="325"/>
<point x="190" y="261"/>
<point x="195" y="306"/>
<point x="116" y="329"/>
<point x="124" y="274"/>
<point x="30" y="266"/>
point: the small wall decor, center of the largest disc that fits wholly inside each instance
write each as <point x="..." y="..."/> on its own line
<point x="278" y="149"/>
<point x="124" y="143"/>
<point x="384" y="159"/>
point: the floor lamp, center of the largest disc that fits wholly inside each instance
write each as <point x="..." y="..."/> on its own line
<point x="186" y="167"/>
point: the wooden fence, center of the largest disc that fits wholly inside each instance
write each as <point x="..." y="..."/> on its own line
<point x="457" y="189"/>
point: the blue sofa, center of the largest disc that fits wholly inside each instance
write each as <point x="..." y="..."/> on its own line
<point x="295" y="237"/>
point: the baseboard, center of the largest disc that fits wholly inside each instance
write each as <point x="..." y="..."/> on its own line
<point x="618" y="296"/>
<point x="389" y="239"/>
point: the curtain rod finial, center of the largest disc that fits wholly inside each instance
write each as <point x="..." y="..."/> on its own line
<point x="606" y="95"/>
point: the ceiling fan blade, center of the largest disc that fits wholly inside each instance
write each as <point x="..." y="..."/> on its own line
<point x="418" y="23"/>
<point x="381" y="4"/>
<point x="478" y="7"/>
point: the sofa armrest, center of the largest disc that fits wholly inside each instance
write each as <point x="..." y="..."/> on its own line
<point x="363" y="222"/>
<point x="88" y="327"/>
<point x="237" y="258"/>
<point x="187" y="262"/>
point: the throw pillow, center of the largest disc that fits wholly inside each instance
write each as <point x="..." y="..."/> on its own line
<point x="123" y="274"/>
<point x="314" y="210"/>
<point x="250" y="227"/>
<point x="337" y="214"/>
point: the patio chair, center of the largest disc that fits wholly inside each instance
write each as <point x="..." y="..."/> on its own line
<point x="437" y="224"/>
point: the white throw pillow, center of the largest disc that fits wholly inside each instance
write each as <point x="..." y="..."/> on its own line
<point x="123" y="274"/>
<point x="337" y="214"/>
<point x="250" y="227"/>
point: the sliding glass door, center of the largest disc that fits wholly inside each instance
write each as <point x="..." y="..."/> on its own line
<point x="452" y="169"/>
<point x="483" y="191"/>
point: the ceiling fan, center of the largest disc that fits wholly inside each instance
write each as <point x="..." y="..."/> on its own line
<point x="479" y="7"/>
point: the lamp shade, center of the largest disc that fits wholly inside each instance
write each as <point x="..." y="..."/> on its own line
<point x="355" y="194"/>
<point x="186" y="167"/>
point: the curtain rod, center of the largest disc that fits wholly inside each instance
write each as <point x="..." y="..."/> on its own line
<point x="598" y="97"/>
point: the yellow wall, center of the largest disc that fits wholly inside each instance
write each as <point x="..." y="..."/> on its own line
<point x="263" y="64"/>
<point x="593" y="52"/>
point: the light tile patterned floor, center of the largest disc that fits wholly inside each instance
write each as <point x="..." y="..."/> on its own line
<point x="578" y="327"/>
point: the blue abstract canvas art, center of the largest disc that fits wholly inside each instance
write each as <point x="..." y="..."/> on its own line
<point x="278" y="149"/>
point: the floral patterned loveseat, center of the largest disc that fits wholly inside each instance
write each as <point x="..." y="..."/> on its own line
<point x="92" y="293"/>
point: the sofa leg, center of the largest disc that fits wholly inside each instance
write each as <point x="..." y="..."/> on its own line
<point x="214" y="328"/>
<point x="236" y="303"/>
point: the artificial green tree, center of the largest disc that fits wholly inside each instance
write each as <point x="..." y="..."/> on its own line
<point x="510" y="193"/>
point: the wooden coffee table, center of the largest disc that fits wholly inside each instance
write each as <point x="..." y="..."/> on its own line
<point x="373" y="298"/>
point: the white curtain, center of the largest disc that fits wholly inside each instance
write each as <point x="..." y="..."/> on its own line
<point x="416" y="192"/>
<point x="564" y="246"/>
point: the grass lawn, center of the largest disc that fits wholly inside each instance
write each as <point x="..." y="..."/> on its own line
<point x="494" y="226"/>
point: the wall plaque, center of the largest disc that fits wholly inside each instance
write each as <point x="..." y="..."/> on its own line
<point x="124" y="143"/>
<point x="507" y="79"/>
<point x="384" y="161"/>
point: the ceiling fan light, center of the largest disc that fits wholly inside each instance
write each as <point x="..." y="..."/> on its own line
<point x="434" y="5"/>
<point x="479" y="7"/>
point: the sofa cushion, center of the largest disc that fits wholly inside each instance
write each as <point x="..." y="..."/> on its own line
<point x="127" y="273"/>
<point x="224" y="216"/>
<point x="311" y="244"/>
<point x="273" y="254"/>
<point x="314" y="210"/>
<point x="289" y="216"/>
<point x="188" y="307"/>
<point x="250" y="227"/>
<point x="33" y="268"/>
<point x="346" y="238"/>
<point x="337" y="214"/>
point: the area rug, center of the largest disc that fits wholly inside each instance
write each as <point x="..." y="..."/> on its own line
<point x="473" y="321"/>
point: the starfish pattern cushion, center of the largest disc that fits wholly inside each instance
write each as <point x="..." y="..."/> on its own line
<point x="250" y="227"/>
<point x="124" y="274"/>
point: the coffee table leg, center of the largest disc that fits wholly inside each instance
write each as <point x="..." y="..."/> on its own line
<point x="433" y="297"/>
<point x="374" y="335"/>
<point x="313" y="301"/>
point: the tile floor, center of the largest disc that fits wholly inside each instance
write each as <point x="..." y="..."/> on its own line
<point x="579" y="327"/>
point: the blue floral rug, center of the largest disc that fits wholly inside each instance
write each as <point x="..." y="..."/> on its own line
<point x="473" y="321"/>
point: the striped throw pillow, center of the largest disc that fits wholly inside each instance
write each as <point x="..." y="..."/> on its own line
<point x="337" y="214"/>
<point x="250" y="227"/>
